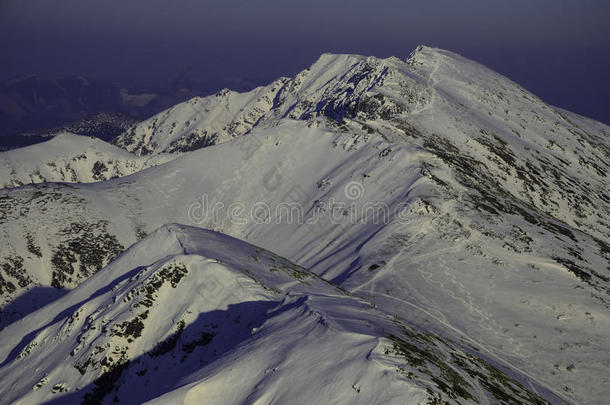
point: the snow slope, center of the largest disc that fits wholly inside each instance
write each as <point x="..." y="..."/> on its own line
<point x="184" y="311"/>
<point x="440" y="191"/>
<point x="525" y="289"/>
<point x="70" y="158"/>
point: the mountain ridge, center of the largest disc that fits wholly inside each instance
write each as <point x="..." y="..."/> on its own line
<point x="278" y="309"/>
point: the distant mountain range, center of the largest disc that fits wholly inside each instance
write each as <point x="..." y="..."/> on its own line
<point x="410" y="231"/>
<point x="37" y="102"/>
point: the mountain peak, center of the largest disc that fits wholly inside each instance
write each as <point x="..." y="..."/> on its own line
<point x="332" y="63"/>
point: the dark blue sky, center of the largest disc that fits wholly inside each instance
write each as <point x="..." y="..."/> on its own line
<point x="558" y="49"/>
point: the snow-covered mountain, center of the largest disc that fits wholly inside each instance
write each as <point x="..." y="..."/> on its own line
<point x="438" y="191"/>
<point x="185" y="311"/>
<point x="70" y="158"/>
<point x="501" y="139"/>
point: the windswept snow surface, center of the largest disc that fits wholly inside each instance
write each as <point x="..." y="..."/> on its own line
<point x="440" y="192"/>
